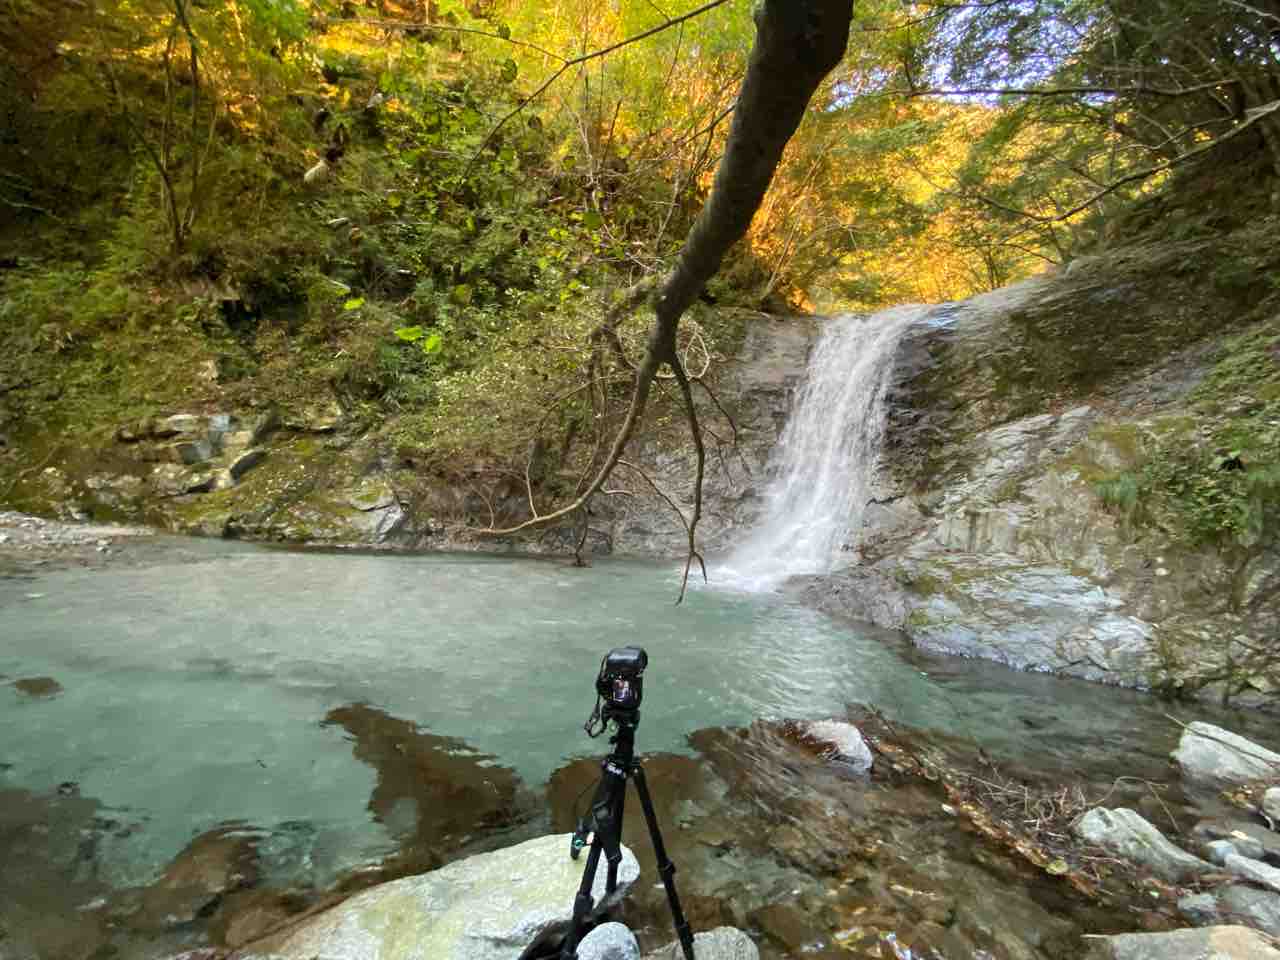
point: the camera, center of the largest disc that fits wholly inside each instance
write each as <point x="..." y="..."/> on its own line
<point x="620" y="684"/>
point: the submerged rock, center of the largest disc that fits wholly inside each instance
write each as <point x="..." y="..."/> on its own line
<point x="1213" y="756"/>
<point x="488" y="907"/>
<point x="1208" y="943"/>
<point x="1126" y="833"/>
<point x="41" y="687"/>
<point x="212" y="865"/>
<point x="1271" y="805"/>
<point x="722" y="943"/>
<point x="431" y="791"/>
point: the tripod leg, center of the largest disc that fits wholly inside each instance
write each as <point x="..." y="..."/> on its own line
<point x="666" y="869"/>
<point x="606" y="814"/>
<point x="582" y="903"/>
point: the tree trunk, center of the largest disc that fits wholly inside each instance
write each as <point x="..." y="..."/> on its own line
<point x="798" y="42"/>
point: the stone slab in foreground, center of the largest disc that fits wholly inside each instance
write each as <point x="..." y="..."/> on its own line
<point x="487" y="907"/>
<point x="1207" y="943"/>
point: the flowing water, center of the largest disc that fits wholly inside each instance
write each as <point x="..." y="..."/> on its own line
<point x="822" y="467"/>
<point x="194" y="694"/>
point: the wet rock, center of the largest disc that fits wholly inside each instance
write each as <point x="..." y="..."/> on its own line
<point x="1271" y="805"/>
<point x="1250" y="839"/>
<point x="432" y="791"/>
<point x="246" y="462"/>
<point x="791" y="927"/>
<point x="1218" y="851"/>
<point x="49" y="892"/>
<point x="212" y="865"/>
<point x="1199" y="908"/>
<point x="1254" y="870"/>
<point x="1126" y="833"/>
<point x="1213" y="756"/>
<point x="191" y="451"/>
<point x="609" y="941"/>
<point x="248" y="915"/>
<point x="200" y="482"/>
<point x="488" y="907"/>
<point x="1258" y="908"/>
<point x="843" y="741"/>
<point x="1030" y="616"/>
<point x="1207" y="943"/>
<point x="178" y="425"/>
<point x="722" y="943"/>
<point x="372" y="494"/>
<point x="42" y="687"/>
<point x="323" y="418"/>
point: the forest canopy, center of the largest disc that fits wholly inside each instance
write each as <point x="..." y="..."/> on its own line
<point x="425" y="207"/>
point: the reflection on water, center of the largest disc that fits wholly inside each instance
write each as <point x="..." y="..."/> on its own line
<point x="312" y="696"/>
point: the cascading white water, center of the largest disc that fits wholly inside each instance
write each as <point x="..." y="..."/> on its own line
<point x="823" y="465"/>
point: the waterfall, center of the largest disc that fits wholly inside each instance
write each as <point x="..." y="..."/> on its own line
<point x="823" y="465"/>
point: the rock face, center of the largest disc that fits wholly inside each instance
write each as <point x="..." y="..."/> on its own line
<point x="1126" y="833"/>
<point x="722" y="943"/>
<point x="488" y="907"/>
<point x="1208" y="943"/>
<point x="1211" y="755"/>
<point x="757" y="387"/>
<point x="996" y="528"/>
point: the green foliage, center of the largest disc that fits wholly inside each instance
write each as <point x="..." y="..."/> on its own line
<point x="1215" y="480"/>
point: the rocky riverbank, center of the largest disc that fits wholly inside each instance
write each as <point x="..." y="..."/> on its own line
<point x="780" y="830"/>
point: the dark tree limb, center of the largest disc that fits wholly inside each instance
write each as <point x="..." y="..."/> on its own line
<point x="798" y="42"/>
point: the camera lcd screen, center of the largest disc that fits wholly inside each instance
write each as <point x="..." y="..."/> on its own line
<point x="622" y="692"/>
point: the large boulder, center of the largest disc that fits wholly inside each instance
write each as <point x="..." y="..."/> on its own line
<point x="722" y="943"/>
<point x="488" y="907"/>
<point x="1128" y="834"/>
<point x="1207" y="943"/>
<point x="1217" y="757"/>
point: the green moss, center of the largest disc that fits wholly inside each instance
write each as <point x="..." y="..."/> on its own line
<point x="919" y="619"/>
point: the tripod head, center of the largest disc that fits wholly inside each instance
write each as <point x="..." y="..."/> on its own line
<point x="619" y="690"/>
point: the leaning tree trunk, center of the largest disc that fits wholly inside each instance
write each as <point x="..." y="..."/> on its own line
<point x="798" y="42"/>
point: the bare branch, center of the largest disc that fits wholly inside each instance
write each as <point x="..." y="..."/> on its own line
<point x="406" y="25"/>
<point x="1170" y="92"/>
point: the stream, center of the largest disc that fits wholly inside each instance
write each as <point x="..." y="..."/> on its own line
<point x="315" y="700"/>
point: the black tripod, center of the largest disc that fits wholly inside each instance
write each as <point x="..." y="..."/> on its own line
<point x="605" y="822"/>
